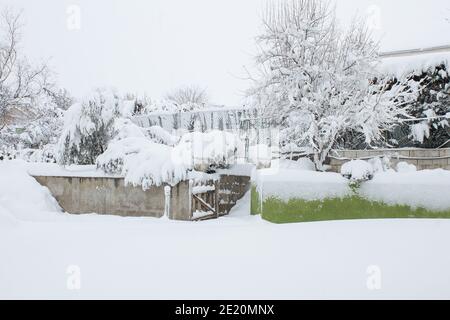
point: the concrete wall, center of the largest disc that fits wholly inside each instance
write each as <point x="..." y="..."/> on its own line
<point x="100" y="195"/>
<point x="79" y="195"/>
<point x="421" y="158"/>
<point x="180" y="198"/>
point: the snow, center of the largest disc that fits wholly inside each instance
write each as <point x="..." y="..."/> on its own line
<point x="301" y="164"/>
<point x="22" y="197"/>
<point x="429" y="189"/>
<point x="286" y="184"/>
<point x="202" y="189"/>
<point x="7" y="220"/>
<point x="55" y="170"/>
<point x="401" y="66"/>
<point x="420" y="131"/>
<point x="147" y="258"/>
<point x="406" y="167"/>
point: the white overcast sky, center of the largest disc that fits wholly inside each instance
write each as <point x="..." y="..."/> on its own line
<point x="155" y="45"/>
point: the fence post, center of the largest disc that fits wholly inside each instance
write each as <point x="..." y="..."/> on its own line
<point x="191" y="185"/>
<point x="167" y="191"/>
<point x="216" y="196"/>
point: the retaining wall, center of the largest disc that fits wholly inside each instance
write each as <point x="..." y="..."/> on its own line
<point x="80" y="195"/>
<point x="106" y="195"/>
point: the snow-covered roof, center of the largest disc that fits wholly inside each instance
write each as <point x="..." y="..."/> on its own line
<point x="400" y="62"/>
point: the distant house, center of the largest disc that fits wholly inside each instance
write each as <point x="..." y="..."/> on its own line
<point x="402" y="62"/>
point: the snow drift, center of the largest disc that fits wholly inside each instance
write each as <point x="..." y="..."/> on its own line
<point x="21" y="196"/>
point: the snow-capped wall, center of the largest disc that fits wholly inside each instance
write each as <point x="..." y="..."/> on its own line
<point x="401" y="65"/>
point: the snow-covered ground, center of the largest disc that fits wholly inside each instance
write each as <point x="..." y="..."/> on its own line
<point x="44" y="252"/>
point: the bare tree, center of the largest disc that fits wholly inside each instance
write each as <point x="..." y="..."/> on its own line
<point x="188" y="95"/>
<point x="20" y="82"/>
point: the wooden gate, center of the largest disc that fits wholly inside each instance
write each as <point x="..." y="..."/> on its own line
<point x="213" y="199"/>
<point x="204" y="201"/>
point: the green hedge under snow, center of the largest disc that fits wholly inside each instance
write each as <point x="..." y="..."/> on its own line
<point x="276" y="210"/>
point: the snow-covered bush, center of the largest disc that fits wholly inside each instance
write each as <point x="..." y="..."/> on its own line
<point x="315" y="79"/>
<point x="88" y="128"/>
<point x="357" y="170"/>
<point x="33" y="137"/>
<point x="142" y="162"/>
<point x="7" y="153"/>
<point x="47" y="154"/>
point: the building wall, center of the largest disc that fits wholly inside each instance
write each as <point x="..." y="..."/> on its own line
<point x="422" y="158"/>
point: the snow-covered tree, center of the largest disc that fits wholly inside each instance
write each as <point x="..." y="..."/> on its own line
<point x="315" y="78"/>
<point x="88" y="127"/>
<point x="20" y="82"/>
<point x="30" y="115"/>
